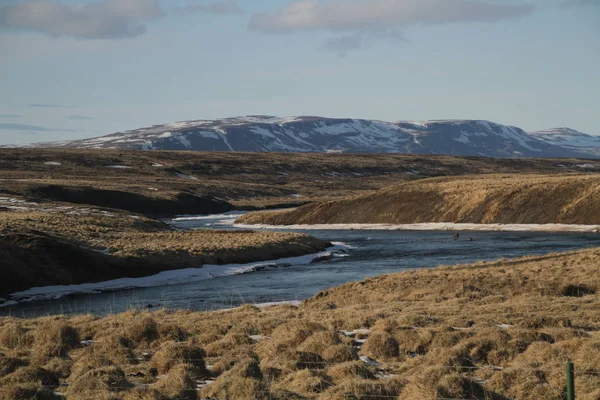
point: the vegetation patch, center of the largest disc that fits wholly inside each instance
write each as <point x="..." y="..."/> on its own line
<point x="413" y="335"/>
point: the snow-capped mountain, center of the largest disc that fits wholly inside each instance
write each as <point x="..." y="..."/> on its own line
<point x="318" y="134"/>
<point x="571" y="139"/>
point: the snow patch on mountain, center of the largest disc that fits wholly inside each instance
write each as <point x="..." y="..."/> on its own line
<point x="263" y="133"/>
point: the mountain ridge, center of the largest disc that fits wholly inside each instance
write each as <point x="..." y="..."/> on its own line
<point x="264" y="133"/>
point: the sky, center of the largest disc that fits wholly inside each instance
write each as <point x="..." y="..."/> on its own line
<point x="83" y="68"/>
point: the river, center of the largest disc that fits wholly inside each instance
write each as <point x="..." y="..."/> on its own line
<point x="370" y="253"/>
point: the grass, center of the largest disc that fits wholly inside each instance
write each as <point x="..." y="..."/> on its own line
<point x="226" y="180"/>
<point x="487" y="199"/>
<point x="496" y="330"/>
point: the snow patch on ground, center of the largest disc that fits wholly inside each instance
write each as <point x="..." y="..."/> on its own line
<point x="295" y="303"/>
<point x="362" y="331"/>
<point x="118" y="166"/>
<point x="186" y="176"/>
<point x="370" y="362"/>
<point x="226" y="219"/>
<point x="433" y="226"/>
<point x="55" y="163"/>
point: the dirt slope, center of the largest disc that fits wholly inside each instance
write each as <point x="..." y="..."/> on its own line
<point x="524" y="199"/>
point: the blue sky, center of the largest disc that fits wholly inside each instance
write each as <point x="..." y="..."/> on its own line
<point x="74" y="69"/>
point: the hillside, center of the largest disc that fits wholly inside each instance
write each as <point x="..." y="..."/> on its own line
<point x="165" y="183"/>
<point x="570" y="139"/>
<point x="509" y="199"/>
<point x="488" y="331"/>
<point x="322" y="135"/>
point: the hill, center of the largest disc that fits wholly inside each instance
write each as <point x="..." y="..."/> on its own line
<point x="165" y="183"/>
<point x="505" y="199"/>
<point x="322" y="135"/>
<point x="570" y="139"/>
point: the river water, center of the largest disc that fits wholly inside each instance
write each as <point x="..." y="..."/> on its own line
<point x="370" y="253"/>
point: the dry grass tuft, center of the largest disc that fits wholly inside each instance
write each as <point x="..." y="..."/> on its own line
<point x="230" y="386"/>
<point x="143" y="393"/>
<point x="55" y="338"/>
<point x="381" y="346"/>
<point x="350" y="371"/>
<point x="13" y="335"/>
<point x="33" y="374"/>
<point x="142" y="330"/>
<point x="27" y="392"/>
<point x="8" y="365"/>
<point x="319" y="342"/>
<point x="179" y="383"/>
<point x="357" y="389"/>
<point x="305" y="383"/>
<point x="171" y="354"/>
<point x="340" y="353"/>
<point x="227" y="343"/>
<point x="98" y="383"/>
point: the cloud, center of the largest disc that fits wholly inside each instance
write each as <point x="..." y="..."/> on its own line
<point x="575" y="3"/>
<point x="356" y="20"/>
<point x="10" y="116"/>
<point x="47" y="106"/>
<point x="102" y="19"/>
<point x="343" y="44"/>
<point x="351" y="15"/>
<point x="30" y="128"/>
<point x="222" y="7"/>
<point x="80" y="118"/>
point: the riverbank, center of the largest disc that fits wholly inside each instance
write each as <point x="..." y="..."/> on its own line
<point x="486" y="331"/>
<point x="482" y="199"/>
<point x="433" y="226"/>
<point x="87" y="246"/>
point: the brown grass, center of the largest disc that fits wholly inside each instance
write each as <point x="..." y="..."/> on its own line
<point x="248" y="179"/>
<point x="172" y="353"/>
<point x="54" y="339"/>
<point x="498" y="330"/>
<point x="505" y="199"/>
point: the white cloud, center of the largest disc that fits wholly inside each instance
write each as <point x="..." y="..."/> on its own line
<point x="575" y="3"/>
<point x="357" y="18"/>
<point x="344" y="15"/>
<point x="105" y="19"/>
<point x="222" y="7"/>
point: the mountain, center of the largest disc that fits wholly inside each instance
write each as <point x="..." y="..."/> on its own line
<point x="570" y="139"/>
<point x="318" y="134"/>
